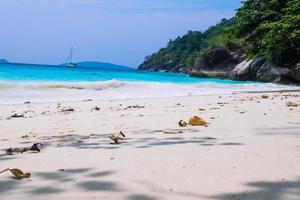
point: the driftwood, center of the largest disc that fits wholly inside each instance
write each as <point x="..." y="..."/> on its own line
<point x="67" y="110"/>
<point x="34" y="147"/>
<point x="17" y="173"/>
<point x="117" y="137"/>
<point x="291" y="104"/>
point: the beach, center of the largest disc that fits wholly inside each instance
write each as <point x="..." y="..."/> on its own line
<point x="249" y="150"/>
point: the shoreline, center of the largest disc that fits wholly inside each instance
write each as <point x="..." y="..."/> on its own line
<point x="158" y="159"/>
<point x="155" y="98"/>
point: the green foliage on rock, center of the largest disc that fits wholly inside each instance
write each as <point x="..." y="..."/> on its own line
<point x="269" y="28"/>
<point x="183" y="51"/>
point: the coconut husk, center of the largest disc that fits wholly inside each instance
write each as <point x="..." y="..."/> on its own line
<point x="197" y="121"/>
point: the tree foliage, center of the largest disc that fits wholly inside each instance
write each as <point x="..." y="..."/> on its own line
<point x="269" y="28"/>
<point x="183" y="51"/>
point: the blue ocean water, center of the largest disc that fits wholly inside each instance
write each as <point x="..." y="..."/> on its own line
<point x="39" y="83"/>
<point x="10" y="72"/>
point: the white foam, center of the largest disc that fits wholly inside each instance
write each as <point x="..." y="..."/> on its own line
<point x="18" y="92"/>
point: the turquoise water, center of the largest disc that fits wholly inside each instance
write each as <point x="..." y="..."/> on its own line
<point x="36" y="83"/>
<point x="9" y="72"/>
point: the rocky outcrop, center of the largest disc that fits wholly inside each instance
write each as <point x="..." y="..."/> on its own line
<point x="220" y="63"/>
<point x="217" y="58"/>
<point x="259" y="69"/>
<point x="270" y="72"/>
<point x="211" y="74"/>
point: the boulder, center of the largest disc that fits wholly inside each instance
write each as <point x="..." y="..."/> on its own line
<point x="254" y="67"/>
<point x="242" y="70"/>
<point x="270" y="72"/>
<point x="296" y="71"/>
<point x="217" y="58"/>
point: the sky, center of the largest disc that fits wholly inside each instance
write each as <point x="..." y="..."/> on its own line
<point x="115" y="31"/>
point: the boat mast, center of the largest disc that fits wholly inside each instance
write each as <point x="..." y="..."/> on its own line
<point x="71" y="55"/>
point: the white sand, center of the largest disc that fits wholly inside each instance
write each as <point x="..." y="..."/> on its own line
<point x="250" y="151"/>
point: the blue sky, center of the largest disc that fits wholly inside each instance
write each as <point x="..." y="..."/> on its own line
<point x="116" y="31"/>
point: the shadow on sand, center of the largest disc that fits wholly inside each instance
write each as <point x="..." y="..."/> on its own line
<point x="262" y="190"/>
<point x="97" y="141"/>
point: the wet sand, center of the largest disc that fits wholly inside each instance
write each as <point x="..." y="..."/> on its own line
<point x="250" y="149"/>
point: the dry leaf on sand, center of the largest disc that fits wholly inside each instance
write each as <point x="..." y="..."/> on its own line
<point x="19" y="174"/>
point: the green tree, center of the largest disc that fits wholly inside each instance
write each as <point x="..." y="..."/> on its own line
<point x="281" y="40"/>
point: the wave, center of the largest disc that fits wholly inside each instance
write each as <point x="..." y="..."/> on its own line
<point x="19" y="92"/>
<point x="100" y="85"/>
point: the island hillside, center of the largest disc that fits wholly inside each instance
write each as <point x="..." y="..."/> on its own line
<point x="260" y="43"/>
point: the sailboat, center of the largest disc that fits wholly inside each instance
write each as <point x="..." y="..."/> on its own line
<point x="69" y="62"/>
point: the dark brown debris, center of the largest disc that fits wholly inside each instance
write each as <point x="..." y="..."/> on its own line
<point x="17" y="116"/>
<point x="34" y="148"/>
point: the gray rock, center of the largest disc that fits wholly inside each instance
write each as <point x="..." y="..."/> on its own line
<point x="254" y="67"/>
<point x="217" y="58"/>
<point x="296" y="71"/>
<point x="270" y="72"/>
<point x="242" y="70"/>
<point x="210" y="74"/>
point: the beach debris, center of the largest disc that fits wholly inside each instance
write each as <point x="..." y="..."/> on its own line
<point x="182" y="123"/>
<point x="27" y="102"/>
<point x="135" y="106"/>
<point x="264" y="96"/>
<point x="34" y="147"/>
<point x="97" y="108"/>
<point x="67" y="110"/>
<point x="197" y="121"/>
<point x="201" y="109"/>
<point x="87" y="100"/>
<point x="291" y="104"/>
<point x="19" y="174"/>
<point x="117" y="137"/>
<point x="16" y="115"/>
<point x="25" y="136"/>
<point x="171" y="132"/>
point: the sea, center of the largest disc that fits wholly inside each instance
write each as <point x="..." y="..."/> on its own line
<point x="42" y="83"/>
